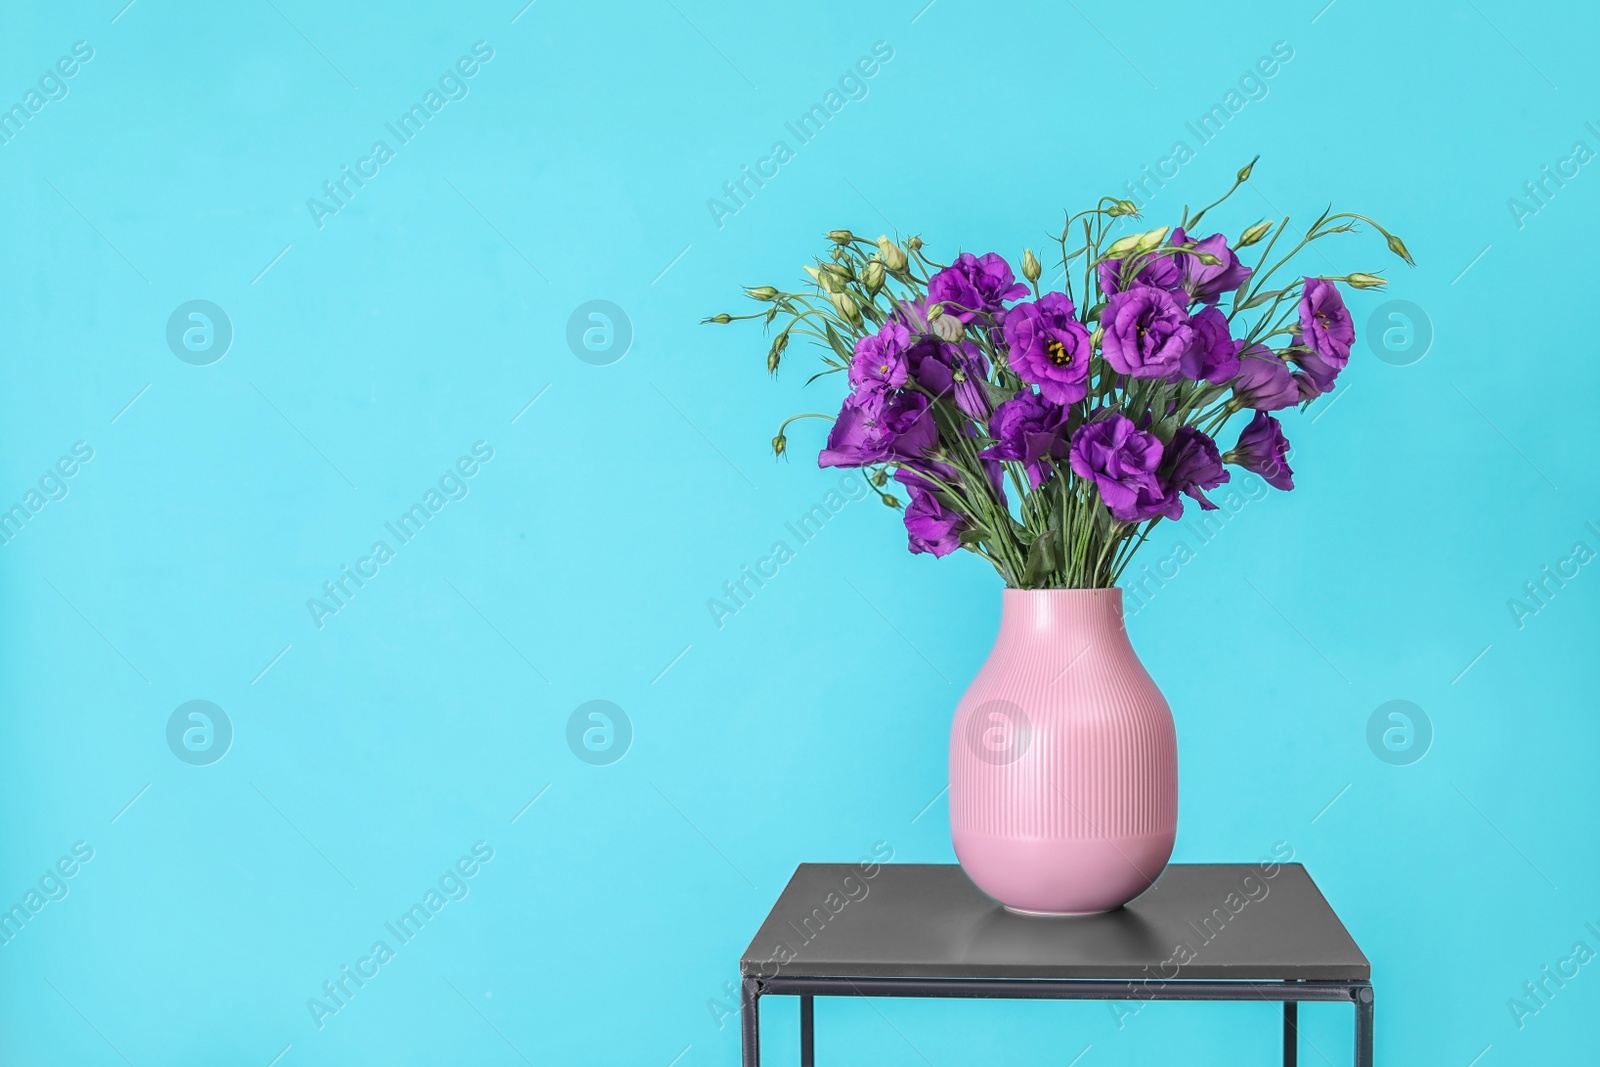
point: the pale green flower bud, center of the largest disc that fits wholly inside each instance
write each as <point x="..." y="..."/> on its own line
<point x="1366" y="281"/>
<point x="894" y="257"/>
<point x="1123" y="207"/>
<point x="846" y="306"/>
<point x="872" y="276"/>
<point x="780" y="444"/>
<point x="762" y="292"/>
<point x="1253" y="234"/>
<point x="1030" y="265"/>
<point x="1398" y="247"/>
<point x="841" y="237"/>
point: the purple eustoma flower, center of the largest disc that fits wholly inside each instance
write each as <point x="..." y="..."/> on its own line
<point x="1264" y="381"/>
<point x="930" y="526"/>
<point x="1190" y="463"/>
<point x="1207" y="284"/>
<point x="1325" y="326"/>
<point x="1212" y="355"/>
<point x="1028" y="429"/>
<point x="1263" y="448"/>
<point x="875" y="427"/>
<point x="958" y="370"/>
<point x="1121" y="460"/>
<point x="880" y="361"/>
<point x="1158" y="272"/>
<point x="974" y="284"/>
<point x="1147" y="332"/>
<point x="1050" y="347"/>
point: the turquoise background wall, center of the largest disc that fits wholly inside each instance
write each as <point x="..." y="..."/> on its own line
<point x="410" y="343"/>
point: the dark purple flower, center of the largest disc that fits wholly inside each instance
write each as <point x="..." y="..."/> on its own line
<point x="875" y="427"/>
<point x="974" y="284"/>
<point x="958" y="370"/>
<point x="1050" y="347"/>
<point x="1212" y="355"/>
<point x="930" y="526"/>
<point x="1121" y="459"/>
<point x="880" y="359"/>
<point x="1207" y="284"/>
<point x="1190" y="463"/>
<point x="1027" y="429"/>
<point x="1147" y="332"/>
<point x="1158" y="272"/>
<point x="1264" y="381"/>
<point x="1325" y="326"/>
<point x="1262" y="448"/>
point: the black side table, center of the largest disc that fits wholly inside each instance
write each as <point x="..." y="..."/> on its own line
<point x="1225" y="932"/>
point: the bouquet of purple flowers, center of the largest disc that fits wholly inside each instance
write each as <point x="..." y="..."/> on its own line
<point x="1050" y="431"/>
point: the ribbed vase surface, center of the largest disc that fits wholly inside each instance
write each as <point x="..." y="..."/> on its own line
<point x="1063" y="760"/>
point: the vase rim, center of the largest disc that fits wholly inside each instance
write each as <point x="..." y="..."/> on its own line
<point x="1115" y="590"/>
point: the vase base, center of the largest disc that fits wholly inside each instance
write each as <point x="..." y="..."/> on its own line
<point x="1056" y="914"/>
<point x="1080" y="876"/>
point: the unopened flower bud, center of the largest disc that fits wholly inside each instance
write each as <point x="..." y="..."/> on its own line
<point x="1366" y="281"/>
<point x="915" y="244"/>
<point x="824" y="280"/>
<point x="761" y="292"/>
<point x="1253" y="234"/>
<point x="894" y="257"/>
<point x="1244" y="171"/>
<point x="1207" y="258"/>
<point x="888" y="500"/>
<point x="841" y="237"/>
<point x="780" y="444"/>
<point x="840" y="270"/>
<point x="880" y="478"/>
<point x="1123" y="207"/>
<point x="1030" y="265"/>
<point x="1398" y="247"/>
<point x="1152" y="238"/>
<point x="872" y="276"/>
<point x="947" y="328"/>
<point x="722" y="319"/>
<point x="846" y="306"/>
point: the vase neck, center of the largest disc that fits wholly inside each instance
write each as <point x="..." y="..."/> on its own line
<point x="1079" y="616"/>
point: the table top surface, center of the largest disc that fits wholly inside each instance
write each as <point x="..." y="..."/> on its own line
<point x="1261" y="922"/>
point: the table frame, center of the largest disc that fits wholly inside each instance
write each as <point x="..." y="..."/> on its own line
<point x="1289" y="993"/>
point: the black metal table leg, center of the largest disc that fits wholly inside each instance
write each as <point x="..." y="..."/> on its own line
<point x="750" y="1022"/>
<point x="808" y="1051"/>
<point x="1291" y="1033"/>
<point x="1363" y="998"/>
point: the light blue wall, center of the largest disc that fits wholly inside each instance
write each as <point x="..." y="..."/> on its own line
<point x="372" y="352"/>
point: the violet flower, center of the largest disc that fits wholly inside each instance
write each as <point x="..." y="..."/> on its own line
<point x="1147" y="332"/>
<point x="1190" y="463"/>
<point x="1264" y="381"/>
<point x="876" y="427"/>
<point x="975" y="284"/>
<point x="1050" y="348"/>
<point x="880" y="361"/>
<point x="1207" y="284"/>
<point x="1263" y="448"/>
<point x="930" y="526"/>
<point x="1028" y="429"/>
<point x="1212" y="355"/>
<point x="1121" y="460"/>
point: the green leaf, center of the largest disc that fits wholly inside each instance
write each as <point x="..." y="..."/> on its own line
<point x="1262" y="298"/>
<point x="1043" y="559"/>
<point x="837" y="343"/>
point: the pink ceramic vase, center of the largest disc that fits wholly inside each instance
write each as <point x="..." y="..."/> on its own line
<point x="1063" y="760"/>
